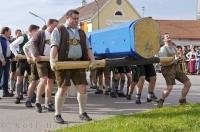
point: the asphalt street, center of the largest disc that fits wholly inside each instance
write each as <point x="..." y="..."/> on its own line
<point x="17" y="118"/>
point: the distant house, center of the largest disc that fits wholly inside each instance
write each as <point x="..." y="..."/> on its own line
<point x="103" y="13"/>
<point x="183" y="32"/>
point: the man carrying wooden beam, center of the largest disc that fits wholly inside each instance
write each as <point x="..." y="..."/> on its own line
<point x="22" y="65"/>
<point x="41" y="47"/>
<point x="69" y="43"/>
<point x="172" y="72"/>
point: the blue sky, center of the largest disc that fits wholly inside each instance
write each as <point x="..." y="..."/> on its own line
<point x="14" y="13"/>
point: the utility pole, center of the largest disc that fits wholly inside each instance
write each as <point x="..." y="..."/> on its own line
<point x="98" y="21"/>
<point x="143" y="10"/>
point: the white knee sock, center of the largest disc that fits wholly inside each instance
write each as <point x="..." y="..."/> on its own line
<point x="47" y="100"/>
<point x="59" y="102"/>
<point x="82" y="101"/>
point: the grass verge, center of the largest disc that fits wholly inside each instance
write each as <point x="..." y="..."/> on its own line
<point x="168" y="119"/>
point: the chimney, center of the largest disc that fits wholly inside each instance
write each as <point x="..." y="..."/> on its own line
<point x="83" y="3"/>
<point x="198" y="10"/>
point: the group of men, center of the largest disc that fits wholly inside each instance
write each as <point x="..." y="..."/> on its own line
<point x="59" y="43"/>
<point x="69" y="43"/>
<point x="171" y="71"/>
<point x="136" y="75"/>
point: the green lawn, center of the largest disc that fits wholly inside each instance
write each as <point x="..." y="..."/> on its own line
<point x="167" y="119"/>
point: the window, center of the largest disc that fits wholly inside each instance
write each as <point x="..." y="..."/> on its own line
<point x="119" y="2"/>
<point x="118" y="13"/>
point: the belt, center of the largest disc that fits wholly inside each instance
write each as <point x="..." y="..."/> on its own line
<point x="73" y="41"/>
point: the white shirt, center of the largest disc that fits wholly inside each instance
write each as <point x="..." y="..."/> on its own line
<point x="167" y="51"/>
<point x="191" y="55"/>
<point x="75" y="51"/>
<point x="28" y="48"/>
<point x="47" y="47"/>
<point x="14" y="46"/>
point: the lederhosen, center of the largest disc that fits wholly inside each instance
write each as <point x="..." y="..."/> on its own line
<point x="172" y="71"/>
<point x="22" y="64"/>
<point x="43" y="68"/>
<point x="78" y="76"/>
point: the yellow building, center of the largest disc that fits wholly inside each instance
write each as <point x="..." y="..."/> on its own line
<point x="103" y="13"/>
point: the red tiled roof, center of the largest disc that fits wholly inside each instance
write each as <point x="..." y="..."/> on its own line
<point x="180" y="29"/>
<point x="88" y="10"/>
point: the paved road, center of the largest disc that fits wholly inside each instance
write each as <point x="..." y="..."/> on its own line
<point x="17" y="118"/>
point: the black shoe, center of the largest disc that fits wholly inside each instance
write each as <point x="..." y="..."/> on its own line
<point x="50" y="108"/>
<point x="85" y="117"/>
<point x="33" y="99"/>
<point x="149" y="100"/>
<point x="51" y="103"/>
<point x="28" y="104"/>
<point x="25" y="92"/>
<point x="152" y="98"/>
<point x="17" y="101"/>
<point x="128" y="97"/>
<point x="93" y="87"/>
<point x="109" y="89"/>
<point x="138" y="101"/>
<point x="21" y="97"/>
<point x="59" y="119"/>
<point x="98" y="91"/>
<point x="160" y="103"/>
<point x="121" y="94"/>
<point x="182" y="101"/>
<point x="8" y="94"/>
<point x="106" y="92"/>
<point x="113" y="94"/>
<point x="38" y="107"/>
<point x="11" y="92"/>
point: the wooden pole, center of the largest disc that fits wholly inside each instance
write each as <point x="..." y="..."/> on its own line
<point x="105" y="62"/>
<point x="166" y="59"/>
<point x="43" y="58"/>
<point x="110" y="63"/>
<point x="79" y="64"/>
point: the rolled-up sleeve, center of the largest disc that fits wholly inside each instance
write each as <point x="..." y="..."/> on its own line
<point x="55" y="38"/>
<point x="14" y="46"/>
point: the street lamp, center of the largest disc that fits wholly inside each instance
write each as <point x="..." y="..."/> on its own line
<point x="37" y="17"/>
<point x="98" y="13"/>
